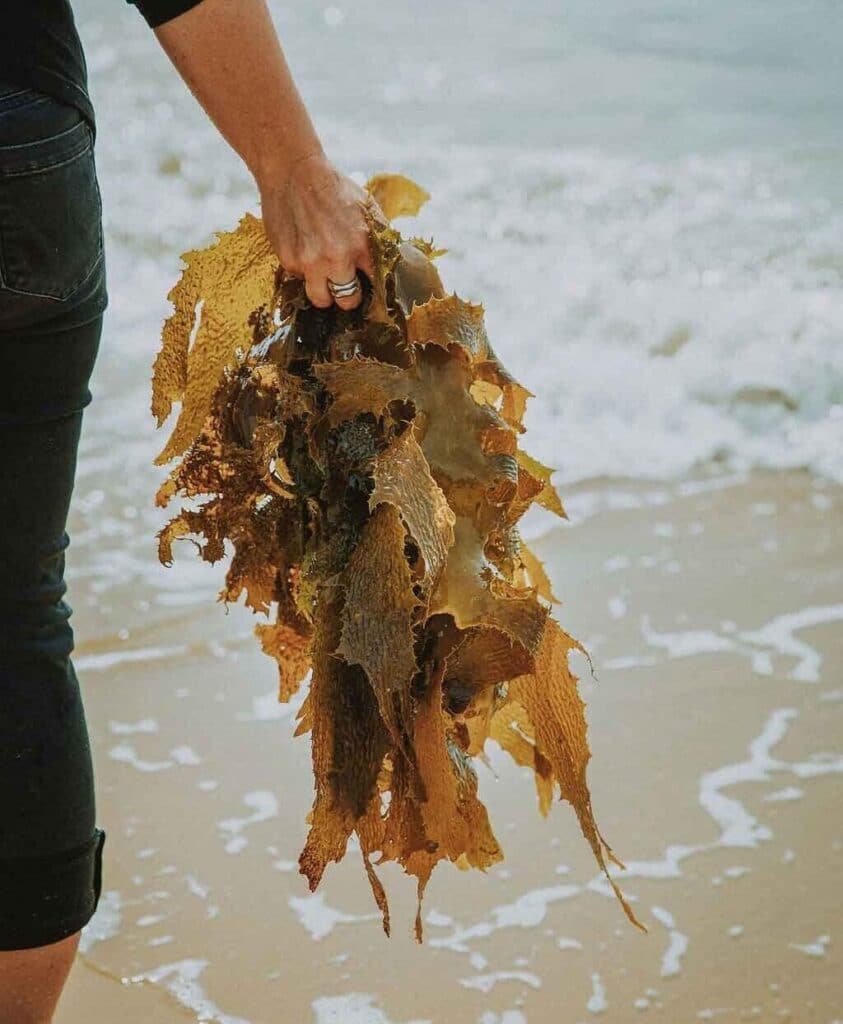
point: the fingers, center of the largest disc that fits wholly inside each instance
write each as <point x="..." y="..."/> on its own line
<point x="322" y="236"/>
<point x="341" y="269"/>
<point x="318" y="281"/>
<point x="316" y="286"/>
<point x="377" y="214"/>
<point x="364" y="259"/>
<point x="345" y="274"/>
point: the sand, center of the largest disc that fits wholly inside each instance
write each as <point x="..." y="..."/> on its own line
<point x="714" y="612"/>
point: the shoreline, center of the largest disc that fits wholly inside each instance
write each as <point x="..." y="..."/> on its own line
<point x="713" y="617"/>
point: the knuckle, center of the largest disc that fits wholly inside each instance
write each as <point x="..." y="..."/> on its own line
<point x="336" y="254"/>
<point x="318" y="296"/>
<point x="310" y="255"/>
<point x="288" y="261"/>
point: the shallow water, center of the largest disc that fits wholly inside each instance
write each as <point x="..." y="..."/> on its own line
<point x="648" y="200"/>
<point x="715" y="726"/>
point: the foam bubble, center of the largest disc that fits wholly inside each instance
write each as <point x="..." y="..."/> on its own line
<point x="597" y="1000"/>
<point x="528" y="911"/>
<point x="486" y="982"/>
<point x="354" y="1008"/>
<point x="816" y="949"/>
<point x="677" y="943"/>
<point x="105" y="923"/>
<point x="320" y="919"/>
<point x="106" y="660"/>
<point x="181" y="980"/>
<point x="267" y="707"/>
<point x="145" y="725"/>
<point x="125" y="753"/>
<point x="264" y="805"/>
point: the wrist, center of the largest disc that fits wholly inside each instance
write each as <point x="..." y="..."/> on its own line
<point x="279" y="169"/>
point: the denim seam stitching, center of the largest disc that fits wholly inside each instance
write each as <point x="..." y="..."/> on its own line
<point x="8" y="107"/>
<point x="79" y="126"/>
<point x="86" y="147"/>
<point x="15" y="102"/>
<point x="38" y="168"/>
<point x="57" y="298"/>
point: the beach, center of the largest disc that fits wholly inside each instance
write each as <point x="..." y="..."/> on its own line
<point x="712" y="611"/>
<point x="646" y="198"/>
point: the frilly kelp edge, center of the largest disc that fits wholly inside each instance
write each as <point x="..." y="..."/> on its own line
<point x="365" y="469"/>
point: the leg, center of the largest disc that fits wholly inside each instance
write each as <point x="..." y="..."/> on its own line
<point x="52" y="295"/>
<point x="31" y="981"/>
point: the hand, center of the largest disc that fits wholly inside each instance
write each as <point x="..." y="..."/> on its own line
<point x="314" y="218"/>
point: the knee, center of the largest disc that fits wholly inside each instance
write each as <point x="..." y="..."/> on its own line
<point x="34" y="617"/>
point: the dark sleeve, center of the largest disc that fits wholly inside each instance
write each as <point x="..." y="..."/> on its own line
<point x="157" y="12"/>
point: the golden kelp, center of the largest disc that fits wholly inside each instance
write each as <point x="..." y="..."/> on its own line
<point x="364" y="468"/>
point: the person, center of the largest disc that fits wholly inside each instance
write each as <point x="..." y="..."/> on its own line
<point x="52" y="299"/>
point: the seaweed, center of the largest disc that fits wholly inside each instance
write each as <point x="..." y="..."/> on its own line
<point x="364" y="472"/>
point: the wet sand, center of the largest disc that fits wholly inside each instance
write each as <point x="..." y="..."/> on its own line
<point x="713" y="611"/>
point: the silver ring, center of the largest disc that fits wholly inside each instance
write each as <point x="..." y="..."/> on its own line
<point x="341" y="290"/>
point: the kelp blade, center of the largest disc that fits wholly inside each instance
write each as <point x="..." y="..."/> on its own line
<point x="364" y="471"/>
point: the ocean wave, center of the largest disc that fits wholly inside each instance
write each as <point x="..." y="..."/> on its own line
<point x="669" y="312"/>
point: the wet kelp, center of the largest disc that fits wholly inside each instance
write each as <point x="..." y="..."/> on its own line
<point x="366" y="472"/>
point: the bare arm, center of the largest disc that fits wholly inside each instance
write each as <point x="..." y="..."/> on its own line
<point x="228" y="53"/>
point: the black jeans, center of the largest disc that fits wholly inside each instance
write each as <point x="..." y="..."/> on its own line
<point x="52" y="297"/>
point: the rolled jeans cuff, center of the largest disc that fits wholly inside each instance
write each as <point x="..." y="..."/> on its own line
<point x="46" y="899"/>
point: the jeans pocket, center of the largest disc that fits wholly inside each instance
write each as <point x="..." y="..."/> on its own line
<point x="50" y="210"/>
